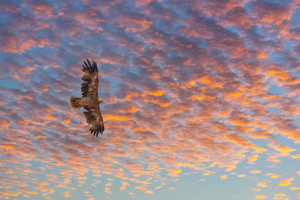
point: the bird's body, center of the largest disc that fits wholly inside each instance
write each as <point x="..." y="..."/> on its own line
<point x="90" y="100"/>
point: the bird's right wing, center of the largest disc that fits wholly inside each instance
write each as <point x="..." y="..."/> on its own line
<point x="94" y="118"/>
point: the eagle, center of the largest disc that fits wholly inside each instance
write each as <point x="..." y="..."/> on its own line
<point x="90" y="101"/>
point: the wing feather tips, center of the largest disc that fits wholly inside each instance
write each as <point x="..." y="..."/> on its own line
<point x="85" y="63"/>
<point x="89" y="63"/>
<point x="95" y="132"/>
<point x="95" y="66"/>
<point x="88" y="67"/>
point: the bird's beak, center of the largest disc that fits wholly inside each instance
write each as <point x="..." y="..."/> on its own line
<point x="101" y="100"/>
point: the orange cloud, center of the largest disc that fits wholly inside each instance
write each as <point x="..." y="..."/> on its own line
<point x="286" y="181"/>
<point x="239" y="17"/>
<point x="261" y="184"/>
<point x="135" y="23"/>
<point x="17" y="45"/>
<point x="174" y="172"/>
<point x="240" y="141"/>
<point x="260" y="196"/>
<point x="194" y="97"/>
<point x="294" y="188"/>
<point x="148" y="192"/>
<point x="272" y="175"/>
<point x="223" y="177"/>
<point x="107" y="190"/>
<point x="4" y="123"/>
<point x="252" y="158"/>
<point x="255" y="171"/>
<point x="271" y="13"/>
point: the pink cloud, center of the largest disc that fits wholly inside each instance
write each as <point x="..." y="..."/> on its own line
<point x="188" y="92"/>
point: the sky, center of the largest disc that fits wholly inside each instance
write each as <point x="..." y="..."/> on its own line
<point x="201" y="99"/>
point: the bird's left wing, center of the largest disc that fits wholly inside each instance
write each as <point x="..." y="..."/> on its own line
<point x="94" y="118"/>
<point x="90" y="86"/>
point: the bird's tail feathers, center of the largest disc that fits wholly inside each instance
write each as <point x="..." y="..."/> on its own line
<point x="75" y="102"/>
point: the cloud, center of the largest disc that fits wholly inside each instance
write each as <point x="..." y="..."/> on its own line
<point x="190" y="89"/>
<point x="261" y="184"/>
<point x="260" y="196"/>
<point x="174" y="172"/>
<point x="255" y="171"/>
<point x="267" y="12"/>
<point x="14" y="44"/>
<point x="223" y="177"/>
<point x="286" y="181"/>
<point x="238" y="16"/>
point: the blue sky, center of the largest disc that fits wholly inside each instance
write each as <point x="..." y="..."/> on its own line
<point x="201" y="99"/>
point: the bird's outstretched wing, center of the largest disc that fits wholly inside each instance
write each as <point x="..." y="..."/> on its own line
<point x="94" y="118"/>
<point x="90" y="86"/>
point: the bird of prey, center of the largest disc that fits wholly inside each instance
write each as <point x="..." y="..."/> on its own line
<point x="90" y="101"/>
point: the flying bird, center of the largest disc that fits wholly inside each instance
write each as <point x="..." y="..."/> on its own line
<point x="90" y="101"/>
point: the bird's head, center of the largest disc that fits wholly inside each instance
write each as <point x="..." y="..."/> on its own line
<point x="100" y="100"/>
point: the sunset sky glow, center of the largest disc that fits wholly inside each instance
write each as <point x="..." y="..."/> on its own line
<point x="201" y="99"/>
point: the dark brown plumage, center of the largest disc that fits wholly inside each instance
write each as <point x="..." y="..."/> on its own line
<point x="90" y="101"/>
